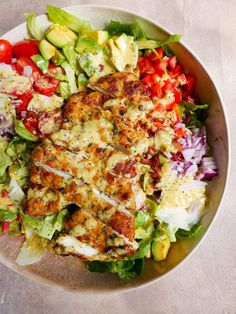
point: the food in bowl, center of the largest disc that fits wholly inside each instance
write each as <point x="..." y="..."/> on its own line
<point x="104" y="152"/>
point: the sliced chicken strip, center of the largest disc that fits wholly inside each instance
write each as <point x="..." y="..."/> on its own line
<point x="98" y="168"/>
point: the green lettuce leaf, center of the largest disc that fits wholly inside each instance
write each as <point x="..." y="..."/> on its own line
<point x="125" y="269"/>
<point x="41" y="63"/>
<point x="23" y="132"/>
<point x="59" y="16"/>
<point x="5" y="161"/>
<point x="115" y="28"/>
<point x="197" y="113"/>
<point x="193" y="232"/>
<point x="8" y="214"/>
<point x="153" y="44"/>
<point x="70" y="72"/>
<point x="34" y="28"/>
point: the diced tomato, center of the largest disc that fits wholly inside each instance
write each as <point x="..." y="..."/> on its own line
<point x="180" y="132"/>
<point x="159" y="68"/>
<point x="177" y="69"/>
<point x="172" y="62"/>
<point x="54" y="70"/>
<point x="156" y="90"/>
<point x="160" y="52"/>
<point x="22" y="62"/>
<point x="6" y="226"/>
<point x="4" y="193"/>
<point x="168" y="86"/>
<point x="178" y="97"/>
<point x="148" y="79"/>
<point x="170" y="107"/>
<point x="31" y="122"/>
<point x="191" y="82"/>
<point x="25" y="99"/>
<point x="145" y="66"/>
<point x="154" y="57"/>
<point x="46" y="85"/>
<point x="182" y="79"/>
<point x="26" y="48"/>
<point x="5" y="51"/>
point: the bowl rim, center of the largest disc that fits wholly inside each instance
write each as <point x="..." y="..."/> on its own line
<point x="52" y="284"/>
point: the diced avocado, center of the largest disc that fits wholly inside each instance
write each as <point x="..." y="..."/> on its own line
<point x="87" y="44"/>
<point x="160" y="248"/>
<point x="41" y="63"/>
<point x="60" y="35"/>
<point x="47" y="50"/>
<point x="82" y="82"/>
<point x="124" y="52"/>
<point x="94" y="64"/>
<point x="58" y="58"/>
<point x="99" y="36"/>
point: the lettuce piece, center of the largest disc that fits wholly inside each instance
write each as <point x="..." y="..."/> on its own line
<point x="115" y="28"/>
<point x="153" y="44"/>
<point x="5" y="160"/>
<point x="70" y="72"/>
<point x="197" y="113"/>
<point x="15" y="229"/>
<point x="41" y="63"/>
<point x="20" y="174"/>
<point x="23" y="132"/>
<point x="64" y="90"/>
<point x="125" y="269"/>
<point x="30" y="222"/>
<point x="59" y="16"/>
<point x="32" y="250"/>
<point x="53" y="224"/>
<point x="70" y="54"/>
<point x="7" y="214"/>
<point x="193" y="232"/>
<point x="82" y="81"/>
<point x="33" y="26"/>
<point x="16" y="193"/>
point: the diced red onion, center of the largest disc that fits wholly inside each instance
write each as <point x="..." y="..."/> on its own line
<point x="208" y="169"/>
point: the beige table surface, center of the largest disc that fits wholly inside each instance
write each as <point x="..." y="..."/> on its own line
<point x="205" y="283"/>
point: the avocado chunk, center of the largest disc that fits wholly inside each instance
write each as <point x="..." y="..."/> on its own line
<point x="99" y="36"/>
<point x="87" y="44"/>
<point x="124" y="52"/>
<point x="60" y="35"/>
<point x="58" y="58"/>
<point x="160" y="248"/>
<point x="47" y="50"/>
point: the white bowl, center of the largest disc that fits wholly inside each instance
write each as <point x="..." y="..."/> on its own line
<point x="68" y="272"/>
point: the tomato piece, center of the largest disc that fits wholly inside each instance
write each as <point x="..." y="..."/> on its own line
<point x="180" y="132"/>
<point x="177" y="69"/>
<point x="178" y="97"/>
<point x="46" y="85"/>
<point x="31" y="122"/>
<point x="26" y="48"/>
<point x="182" y="79"/>
<point x="6" y="226"/>
<point x="4" y="193"/>
<point x="154" y="57"/>
<point x="15" y="85"/>
<point x="5" y="51"/>
<point x="24" y="62"/>
<point x="156" y="90"/>
<point x="54" y="70"/>
<point x="168" y="86"/>
<point x="159" y="68"/>
<point x="172" y="62"/>
<point x="191" y="82"/>
<point x="145" y="66"/>
<point x="25" y="99"/>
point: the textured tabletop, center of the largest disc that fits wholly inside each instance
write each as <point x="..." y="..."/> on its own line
<point x="206" y="282"/>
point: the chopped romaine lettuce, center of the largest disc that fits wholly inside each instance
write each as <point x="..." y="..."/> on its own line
<point x="23" y="132"/>
<point x="34" y="28"/>
<point x="153" y="44"/>
<point x="70" y="72"/>
<point x="193" y="232"/>
<point x="41" y="63"/>
<point x="16" y="193"/>
<point x="197" y="113"/>
<point x="5" y="160"/>
<point x="125" y="269"/>
<point x="32" y="250"/>
<point x="71" y="55"/>
<point x="57" y="15"/>
<point x="64" y="90"/>
<point x="87" y="44"/>
<point x="115" y="28"/>
<point x="7" y="214"/>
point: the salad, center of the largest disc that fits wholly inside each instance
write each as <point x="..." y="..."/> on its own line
<point x="104" y="151"/>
